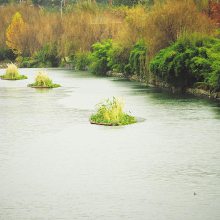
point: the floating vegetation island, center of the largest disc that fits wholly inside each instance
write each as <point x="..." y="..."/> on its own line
<point x="42" y="80"/>
<point x="110" y="113"/>
<point x="12" y="73"/>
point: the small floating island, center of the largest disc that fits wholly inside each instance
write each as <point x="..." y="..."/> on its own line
<point x="12" y="73"/>
<point x="43" y="81"/>
<point x="110" y="113"/>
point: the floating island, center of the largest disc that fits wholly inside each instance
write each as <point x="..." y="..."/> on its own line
<point x="110" y="113"/>
<point x="42" y="80"/>
<point x="12" y="73"/>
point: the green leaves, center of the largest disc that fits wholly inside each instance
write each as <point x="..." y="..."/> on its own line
<point x="108" y="55"/>
<point x="137" y="58"/>
<point x="99" y="57"/>
<point x="190" y="60"/>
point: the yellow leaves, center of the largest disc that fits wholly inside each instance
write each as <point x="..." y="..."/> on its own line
<point x="14" y="31"/>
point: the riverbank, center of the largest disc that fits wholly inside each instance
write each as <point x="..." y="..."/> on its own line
<point x="201" y="93"/>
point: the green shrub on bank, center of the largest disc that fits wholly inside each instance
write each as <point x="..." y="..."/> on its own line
<point x="12" y="73"/>
<point x="81" y="60"/>
<point x="46" y="57"/>
<point x="137" y="59"/>
<point x="118" y="58"/>
<point x="6" y="54"/>
<point x="42" y="80"/>
<point x="108" y="55"/>
<point x="99" y="57"/>
<point x="110" y="112"/>
<point x="191" y="59"/>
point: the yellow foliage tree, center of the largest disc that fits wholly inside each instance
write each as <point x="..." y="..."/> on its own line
<point x="14" y="32"/>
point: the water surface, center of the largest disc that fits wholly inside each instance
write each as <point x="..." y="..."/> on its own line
<point x="55" y="165"/>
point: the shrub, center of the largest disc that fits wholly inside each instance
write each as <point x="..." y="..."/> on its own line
<point x="110" y="112"/>
<point x="81" y="60"/>
<point x="137" y="58"/>
<point x="191" y="59"/>
<point x="114" y="56"/>
<point x="99" y="57"/>
<point x="214" y="78"/>
<point x="43" y="81"/>
<point x="47" y="56"/>
<point x="6" y="54"/>
<point x="118" y="57"/>
<point x="12" y="73"/>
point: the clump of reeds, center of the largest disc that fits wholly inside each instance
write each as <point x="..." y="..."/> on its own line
<point x="12" y="73"/>
<point x="110" y="112"/>
<point x="42" y="80"/>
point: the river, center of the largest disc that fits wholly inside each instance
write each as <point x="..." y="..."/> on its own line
<point x="55" y="165"/>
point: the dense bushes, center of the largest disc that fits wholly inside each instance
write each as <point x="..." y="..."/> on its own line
<point x="192" y="59"/>
<point x="7" y="54"/>
<point x="99" y="57"/>
<point x="137" y="60"/>
<point x="118" y="57"/>
<point x="46" y="57"/>
<point x="108" y="55"/>
<point x="81" y="60"/>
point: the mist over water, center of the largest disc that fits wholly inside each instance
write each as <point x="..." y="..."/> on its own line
<point x="55" y="165"/>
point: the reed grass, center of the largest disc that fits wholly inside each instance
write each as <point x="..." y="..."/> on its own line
<point x="110" y="112"/>
<point x="42" y="80"/>
<point x="12" y="73"/>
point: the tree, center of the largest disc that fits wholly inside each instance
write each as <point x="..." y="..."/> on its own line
<point x="13" y="33"/>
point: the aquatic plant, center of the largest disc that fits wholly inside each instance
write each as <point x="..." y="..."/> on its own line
<point x="12" y="73"/>
<point x="42" y="80"/>
<point x="110" y="112"/>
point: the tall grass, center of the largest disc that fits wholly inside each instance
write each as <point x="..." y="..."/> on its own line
<point x="110" y="112"/>
<point x="77" y="30"/>
<point x="12" y="73"/>
<point x="42" y="80"/>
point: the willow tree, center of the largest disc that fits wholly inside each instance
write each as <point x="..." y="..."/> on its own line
<point x="14" y="32"/>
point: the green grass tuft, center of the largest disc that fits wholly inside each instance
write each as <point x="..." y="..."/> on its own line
<point x="42" y="80"/>
<point x="110" y="113"/>
<point x="12" y="73"/>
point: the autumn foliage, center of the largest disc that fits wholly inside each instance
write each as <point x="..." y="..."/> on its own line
<point x="33" y="29"/>
<point x="14" y="32"/>
<point x="215" y="12"/>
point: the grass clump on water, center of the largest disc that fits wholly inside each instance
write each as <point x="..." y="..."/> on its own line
<point x="110" y="113"/>
<point x="12" y="73"/>
<point x="42" y="80"/>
